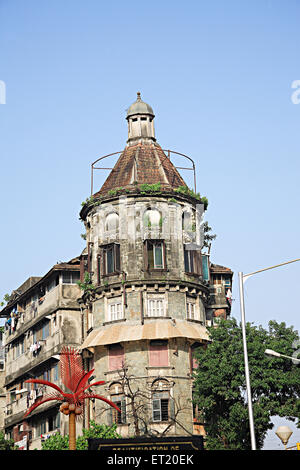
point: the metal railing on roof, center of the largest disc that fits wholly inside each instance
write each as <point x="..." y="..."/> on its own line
<point x="168" y="155"/>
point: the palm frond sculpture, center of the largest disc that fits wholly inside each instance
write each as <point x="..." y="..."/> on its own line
<point x="75" y="379"/>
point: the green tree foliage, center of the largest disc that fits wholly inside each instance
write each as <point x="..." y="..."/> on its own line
<point x="58" y="442"/>
<point x="220" y="388"/>
<point x="6" y="444"/>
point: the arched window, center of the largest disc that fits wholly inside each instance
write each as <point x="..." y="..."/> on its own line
<point x="162" y="403"/>
<point x="187" y="221"/>
<point x="117" y="396"/>
<point x="152" y="218"/>
<point x="112" y="222"/>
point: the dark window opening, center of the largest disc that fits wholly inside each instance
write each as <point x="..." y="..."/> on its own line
<point x="192" y="261"/>
<point x="111" y="259"/>
<point x="155" y="254"/>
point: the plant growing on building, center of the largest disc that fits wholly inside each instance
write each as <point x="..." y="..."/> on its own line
<point x="207" y="236"/>
<point x="220" y="389"/>
<point x="75" y="379"/>
<point x="146" y="188"/>
<point x="86" y="285"/>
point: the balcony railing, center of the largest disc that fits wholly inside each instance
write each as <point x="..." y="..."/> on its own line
<point x="32" y="355"/>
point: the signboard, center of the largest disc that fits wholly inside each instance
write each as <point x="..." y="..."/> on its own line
<point x="162" y="445"/>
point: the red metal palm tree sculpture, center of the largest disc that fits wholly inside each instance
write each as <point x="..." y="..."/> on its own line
<point x="75" y="378"/>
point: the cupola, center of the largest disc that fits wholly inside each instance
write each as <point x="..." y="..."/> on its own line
<point x="140" y="117"/>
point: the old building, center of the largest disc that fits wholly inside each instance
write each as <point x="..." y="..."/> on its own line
<point x="153" y="293"/>
<point x="42" y="316"/>
<point x="148" y="293"/>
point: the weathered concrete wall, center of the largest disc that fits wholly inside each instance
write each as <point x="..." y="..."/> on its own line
<point x="172" y="284"/>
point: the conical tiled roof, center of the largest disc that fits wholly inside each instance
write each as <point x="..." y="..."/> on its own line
<point x="140" y="164"/>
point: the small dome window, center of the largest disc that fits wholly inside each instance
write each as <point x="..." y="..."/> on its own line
<point x="187" y="221"/>
<point x="112" y="222"/>
<point x="152" y="218"/>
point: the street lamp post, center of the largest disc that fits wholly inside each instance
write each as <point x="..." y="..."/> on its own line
<point x="242" y="279"/>
<point x="270" y="352"/>
<point x="284" y="433"/>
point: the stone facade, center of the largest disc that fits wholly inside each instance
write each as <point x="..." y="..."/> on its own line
<point x="152" y="300"/>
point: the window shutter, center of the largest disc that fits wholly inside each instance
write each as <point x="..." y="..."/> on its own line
<point x="186" y="259"/>
<point x="158" y="354"/>
<point x="197" y="262"/>
<point x="205" y="267"/>
<point x="164" y="255"/>
<point x="103" y="262"/>
<point x="156" y="411"/>
<point x="117" y="258"/>
<point x="172" y="408"/>
<point x="115" y="357"/>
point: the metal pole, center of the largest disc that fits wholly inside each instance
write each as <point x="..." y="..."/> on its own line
<point x="250" y="411"/>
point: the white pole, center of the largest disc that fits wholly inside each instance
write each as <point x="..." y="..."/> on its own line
<point x="250" y="411"/>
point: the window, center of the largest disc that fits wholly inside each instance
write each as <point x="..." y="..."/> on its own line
<point x="187" y="221"/>
<point x="70" y="277"/>
<point x="158" y="353"/>
<point x="155" y="257"/>
<point x="119" y="417"/>
<point x="205" y="267"/>
<point x="111" y="259"/>
<point x="45" y="329"/>
<point x="193" y="349"/>
<point x="43" y="427"/>
<point x="53" y="283"/>
<point x="47" y="374"/>
<point x="160" y="406"/>
<point x="19" y="347"/>
<point x="115" y="310"/>
<point x="115" y="357"/>
<point x="190" y="308"/>
<point x="156" y="306"/>
<point x="118" y="398"/>
<point x="55" y="373"/>
<point x="192" y="260"/>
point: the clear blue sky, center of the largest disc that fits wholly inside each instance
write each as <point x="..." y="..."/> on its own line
<point x="218" y="75"/>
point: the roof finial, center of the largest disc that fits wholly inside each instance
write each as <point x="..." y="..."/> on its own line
<point x="138" y="96"/>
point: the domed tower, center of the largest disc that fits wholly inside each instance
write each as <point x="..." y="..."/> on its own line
<point x="140" y="119"/>
<point x="148" y="300"/>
